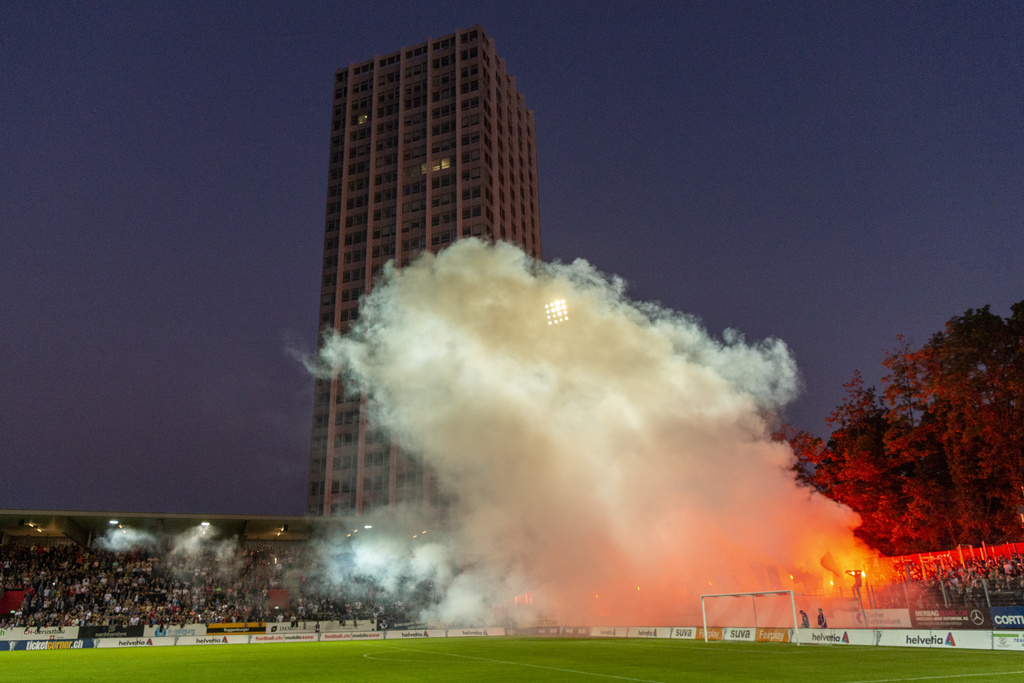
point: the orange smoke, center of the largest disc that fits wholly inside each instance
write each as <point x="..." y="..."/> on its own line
<point x="616" y="465"/>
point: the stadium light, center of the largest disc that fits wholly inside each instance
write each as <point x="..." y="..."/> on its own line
<point x="368" y="526"/>
<point x="556" y="311"/>
<point x="204" y="524"/>
<point x="112" y="522"/>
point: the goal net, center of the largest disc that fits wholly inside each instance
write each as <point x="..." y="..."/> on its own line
<point x="748" y="612"/>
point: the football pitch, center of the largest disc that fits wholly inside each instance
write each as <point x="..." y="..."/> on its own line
<point x="515" y="659"/>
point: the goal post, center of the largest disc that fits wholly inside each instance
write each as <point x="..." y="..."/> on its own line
<point x="790" y="615"/>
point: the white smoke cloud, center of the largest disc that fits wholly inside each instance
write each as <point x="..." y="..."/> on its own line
<point x="121" y="539"/>
<point x="616" y="464"/>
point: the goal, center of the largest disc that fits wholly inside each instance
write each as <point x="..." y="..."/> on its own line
<point x="763" y="609"/>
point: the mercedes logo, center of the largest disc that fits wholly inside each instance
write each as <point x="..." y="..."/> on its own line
<point x="977" y="618"/>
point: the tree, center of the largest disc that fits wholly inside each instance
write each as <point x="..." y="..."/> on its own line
<point x="938" y="458"/>
<point x="853" y="467"/>
<point x="970" y="396"/>
<point x="911" y="440"/>
<point x="809" y="450"/>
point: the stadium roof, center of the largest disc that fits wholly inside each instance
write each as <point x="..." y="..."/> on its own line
<point x="83" y="527"/>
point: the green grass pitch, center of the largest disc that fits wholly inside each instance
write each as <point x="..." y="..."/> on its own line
<point x="514" y="659"/>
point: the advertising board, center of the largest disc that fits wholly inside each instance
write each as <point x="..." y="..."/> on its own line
<point x="951" y="618"/>
<point x="648" y="632"/>
<point x="936" y="638"/>
<point x="219" y="639"/>
<point x="174" y="630"/>
<point x="824" y="636"/>
<point x="111" y="631"/>
<point x="1008" y="640"/>
<point x="1008" y="617"/>
<point x="425" y="633"/>
<point x="609" y="631"/>
<point x="876" y="618"/>
<point x="575" y="631"/>
<point x="466" y="632"/>
<point x="353" y="635"/>
<point x="247" y="627"/>
<point x="133" y="642"/>
<point x="773" y="635"/>
<point x="745" y="633"/>
<point x="43" y="633"/>
<point x="302" y="626"/>
<point x="283" y="638"/>
<point x="77" y="644"/>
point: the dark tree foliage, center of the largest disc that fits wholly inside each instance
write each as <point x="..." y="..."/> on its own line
<point x="938" y="458"/>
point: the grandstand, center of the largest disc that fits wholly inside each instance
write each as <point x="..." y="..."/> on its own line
<point x="151" y="574"/>
<point x="124" y="573"/>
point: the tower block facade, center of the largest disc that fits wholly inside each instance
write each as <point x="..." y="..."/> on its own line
<point x="429" y="145"/>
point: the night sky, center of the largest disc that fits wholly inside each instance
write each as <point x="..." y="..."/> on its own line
<point x="833" y="176"/>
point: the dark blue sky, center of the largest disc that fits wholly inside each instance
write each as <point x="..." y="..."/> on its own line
<point x="833" y="176"/>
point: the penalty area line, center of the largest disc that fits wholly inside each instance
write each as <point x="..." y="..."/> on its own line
<point x="937" y="678"/>
<point x="532" y="666"/>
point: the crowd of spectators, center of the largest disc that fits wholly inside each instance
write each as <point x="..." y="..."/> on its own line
<point x="952" y="580"/>
<point x="68" y="585"/>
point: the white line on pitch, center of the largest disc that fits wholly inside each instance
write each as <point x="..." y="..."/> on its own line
<point x="936" y="678"/>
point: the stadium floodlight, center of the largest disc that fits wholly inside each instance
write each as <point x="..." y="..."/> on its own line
<point x="204" y="524"/>
<point x="556" y="311"/>
<point x="112" y="522"/>
<point x="368" y="526"/>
